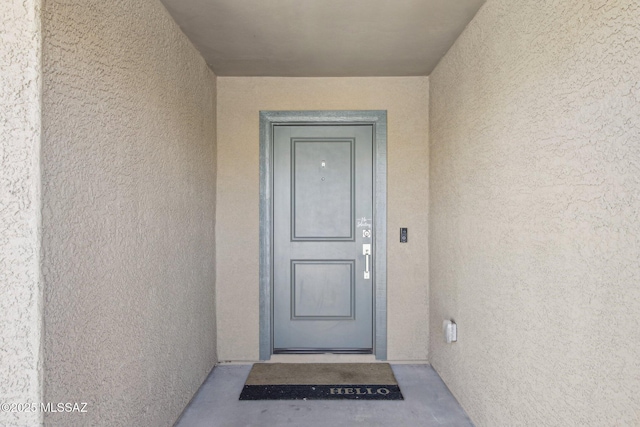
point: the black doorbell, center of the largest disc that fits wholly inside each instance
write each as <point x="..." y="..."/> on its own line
<point x="404" y="238"/>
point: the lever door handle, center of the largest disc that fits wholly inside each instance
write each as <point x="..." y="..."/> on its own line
<point x="366" y="251"/>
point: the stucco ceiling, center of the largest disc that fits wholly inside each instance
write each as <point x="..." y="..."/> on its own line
<point x="313" y="38"/>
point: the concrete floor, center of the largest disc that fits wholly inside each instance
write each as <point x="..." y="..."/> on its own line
<point x="427" y="403"/>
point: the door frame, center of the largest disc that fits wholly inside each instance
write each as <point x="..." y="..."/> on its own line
<point x="376" y="118"/>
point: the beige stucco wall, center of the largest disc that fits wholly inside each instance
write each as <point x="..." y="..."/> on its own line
<point x="535" y="195"/>
<point x="237" y="228"/>
<point x="129" y="211"/>
<point x="20" y="285"/>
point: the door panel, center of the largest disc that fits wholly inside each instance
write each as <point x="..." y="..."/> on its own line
<point x="322" y="188"/>
<point x="322" y="192"/>
<point x="323" y="289"/>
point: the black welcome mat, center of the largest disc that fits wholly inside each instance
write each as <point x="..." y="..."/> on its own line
<point x="316" y="381"/>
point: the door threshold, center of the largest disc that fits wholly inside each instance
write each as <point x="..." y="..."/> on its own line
<point x="323" y="358"/>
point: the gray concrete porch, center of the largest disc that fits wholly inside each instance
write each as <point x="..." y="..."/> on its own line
<point x="428" y="403"/>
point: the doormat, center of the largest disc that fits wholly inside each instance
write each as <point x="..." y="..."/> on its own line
<point x="321" y="381"/>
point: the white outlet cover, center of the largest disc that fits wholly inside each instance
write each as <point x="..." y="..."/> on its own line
<point x="450" y="330"/>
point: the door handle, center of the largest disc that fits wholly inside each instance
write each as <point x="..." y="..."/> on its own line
<point x="366" y="251"/>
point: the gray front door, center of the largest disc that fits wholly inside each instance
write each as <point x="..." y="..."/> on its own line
<point x="322" y="228"/>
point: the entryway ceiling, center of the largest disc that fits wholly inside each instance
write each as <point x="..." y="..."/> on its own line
<point x="316" y="38"/>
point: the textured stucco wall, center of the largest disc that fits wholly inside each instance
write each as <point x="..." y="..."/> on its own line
<point x="535" y="195"/>
<point x="129" y="212"/>
<point x="20" y="290"/>
<point x="239" y="101"/>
